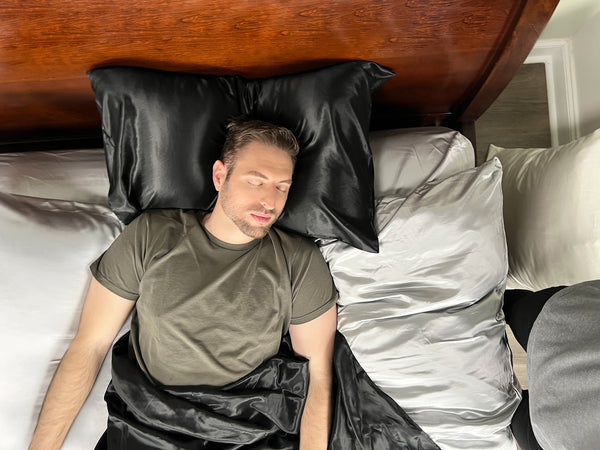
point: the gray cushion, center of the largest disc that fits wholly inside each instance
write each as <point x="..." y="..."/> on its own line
<point x="563" y="360"/>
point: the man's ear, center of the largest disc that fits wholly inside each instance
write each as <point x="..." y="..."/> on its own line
<point x="219" y="174"/>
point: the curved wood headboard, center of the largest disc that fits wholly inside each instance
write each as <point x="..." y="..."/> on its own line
<point x="451" y="57"/>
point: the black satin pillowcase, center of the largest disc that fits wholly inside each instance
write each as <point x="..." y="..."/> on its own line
<point x="164" y="130"/>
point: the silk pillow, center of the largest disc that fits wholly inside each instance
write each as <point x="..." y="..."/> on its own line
<point x="552" y="213"/>
<point x="163" y="131"/>
<point x="424" y="316"/>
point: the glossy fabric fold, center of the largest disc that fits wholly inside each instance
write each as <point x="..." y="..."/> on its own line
<point x="261" y="410"/>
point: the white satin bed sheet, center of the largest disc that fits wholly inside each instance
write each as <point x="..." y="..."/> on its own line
<point x="46" y="247"/>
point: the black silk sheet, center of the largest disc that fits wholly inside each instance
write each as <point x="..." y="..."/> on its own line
<point x="259" y="411"/>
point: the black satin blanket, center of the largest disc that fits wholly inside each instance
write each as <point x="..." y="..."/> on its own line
<point x="259" y="411"/>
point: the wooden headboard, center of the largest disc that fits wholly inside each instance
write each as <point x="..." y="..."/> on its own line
<point x="451" y="57"/>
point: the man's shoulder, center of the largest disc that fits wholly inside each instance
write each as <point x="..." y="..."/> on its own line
<point x="297" y="249"/>
<point x="291" y="239"/>
<point x="167" y="216"/>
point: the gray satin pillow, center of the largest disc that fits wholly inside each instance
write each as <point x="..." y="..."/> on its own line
<point x="424" y="315"/>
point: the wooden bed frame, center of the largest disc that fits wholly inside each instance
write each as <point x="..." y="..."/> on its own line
<point x="451" y="57"/>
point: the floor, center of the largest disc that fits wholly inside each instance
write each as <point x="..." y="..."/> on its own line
<point x="519" y="117"/>
<point x="519" y="359"/>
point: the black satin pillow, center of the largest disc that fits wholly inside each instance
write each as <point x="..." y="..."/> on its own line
<point x="163" y="131"/>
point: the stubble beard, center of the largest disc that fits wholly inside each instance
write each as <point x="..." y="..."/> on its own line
<point x="235" y="214"/>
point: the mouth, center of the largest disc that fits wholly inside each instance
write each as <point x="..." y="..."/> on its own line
<point x="261" y="218"/>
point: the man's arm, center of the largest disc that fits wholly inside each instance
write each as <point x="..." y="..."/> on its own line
<point x="314" y="341"/>
<point x="101" y="319"/>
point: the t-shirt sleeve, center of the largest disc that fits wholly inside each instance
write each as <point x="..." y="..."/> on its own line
<point x="313" y="291"/>
<point x="121" y="266"/>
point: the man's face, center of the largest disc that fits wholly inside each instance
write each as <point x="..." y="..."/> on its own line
<point x="254" y="194"/>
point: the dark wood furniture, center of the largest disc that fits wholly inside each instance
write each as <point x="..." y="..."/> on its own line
<point x="451" y="57"/>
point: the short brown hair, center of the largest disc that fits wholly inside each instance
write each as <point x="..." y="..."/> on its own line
<point x="241" y="131"/>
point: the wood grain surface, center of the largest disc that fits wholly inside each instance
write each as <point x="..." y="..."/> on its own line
<point x="451" y="57"/>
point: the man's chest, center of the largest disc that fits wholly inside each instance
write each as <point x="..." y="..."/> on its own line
<point x="245" y="289"/>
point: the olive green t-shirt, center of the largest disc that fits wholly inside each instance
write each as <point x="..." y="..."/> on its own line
<point x="208" y="312"/>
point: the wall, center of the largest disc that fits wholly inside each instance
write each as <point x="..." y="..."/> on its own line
<point x="570" y="48"/>
<point x="556" y="55"/>
<point x="568" y="17"/>
<point x="585" y="46"/>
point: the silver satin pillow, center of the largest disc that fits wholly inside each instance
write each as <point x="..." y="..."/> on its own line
<point x="424" y="315"/>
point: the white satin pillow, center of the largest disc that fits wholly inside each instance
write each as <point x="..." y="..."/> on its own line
<point x="46" y="248"/>
<point x="424" y="315"/>
<point x="552" y="213"/>
<point x="76" y="175"/>
<point x="405" y="158"/>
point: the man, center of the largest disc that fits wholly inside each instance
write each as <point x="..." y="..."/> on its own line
<point x="213" y="293"/>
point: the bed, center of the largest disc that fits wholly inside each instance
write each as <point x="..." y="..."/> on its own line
<point x="85" y="87"/>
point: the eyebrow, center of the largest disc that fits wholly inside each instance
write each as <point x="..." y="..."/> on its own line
<point x="258" y="174"/>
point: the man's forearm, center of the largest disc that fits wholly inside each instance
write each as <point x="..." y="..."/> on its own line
<point x="316" y="418"/>
<point x="314" y="340"/>
<point x="70" y="387"/>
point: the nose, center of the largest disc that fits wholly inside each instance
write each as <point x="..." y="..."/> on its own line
<point x="269" y="199"/>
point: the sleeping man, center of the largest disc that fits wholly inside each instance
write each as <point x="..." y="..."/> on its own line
<point x="213" y="292"/>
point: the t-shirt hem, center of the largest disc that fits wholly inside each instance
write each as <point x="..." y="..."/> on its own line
<point x="314" y="314"/>
<point x="114" y="289"/>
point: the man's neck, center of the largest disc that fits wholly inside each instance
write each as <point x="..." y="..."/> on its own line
<point x="217" y="224"/>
